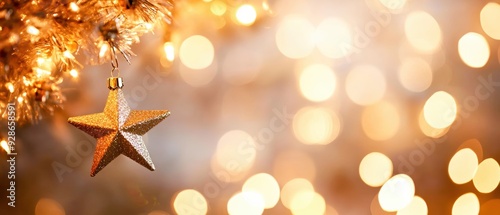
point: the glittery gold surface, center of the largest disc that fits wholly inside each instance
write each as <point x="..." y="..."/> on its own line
<point x="119" y="130"/>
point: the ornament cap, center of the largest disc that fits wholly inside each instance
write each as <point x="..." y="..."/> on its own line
<point x="115" y="83"/>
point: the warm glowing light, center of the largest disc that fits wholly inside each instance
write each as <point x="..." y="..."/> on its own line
<point x="316" y="125"/>
<point x="396" y="193"/>
<point x="218" y="8"/>
<point x="429" y="130"/>
<point x="440" y="110"/>
<point x="190" y="202"/>
<point x="46" y="206"/>
<point x="487" y="176"/>
<point x="104" y="50"/>
<point x="334" y="38"/>
<point x="265" y="185"/>
<point x="380" y="121"/>
<point x="415" y="74"/>
<point x="74" y="7"/>
<point x="196" y="52"/>
<point x="490" y="14"/>
<point x="416" y="207"/>
<point x="423" y="32"/>
<point x="246" y="203"/>
<point x="236" y="152"/>
<point x="5" y="147"/>
<point x="463" y="166"/>
<point x="20" y="99"/>
<point x="246" y="14"/>
<point x="474" y="50"/>
<point x="375" y="169"/>
<point x="317" y="82"/>
<point x="291" y="164"/>
<point x="308" y="203"/>
<point x="10" y="87"/>
<point x="301" y="44"/>
<point x="466" y="204"/>
<point x="365" y="85"/>
<point x="168" y="47"/>
<point x="32" y="30"/>
<point x="293" y="188"/>
<point x="73" y="73"/>
<point x="68" y="54"/>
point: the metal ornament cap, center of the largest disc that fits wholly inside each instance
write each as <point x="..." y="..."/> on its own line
<point x="115" y="83"/>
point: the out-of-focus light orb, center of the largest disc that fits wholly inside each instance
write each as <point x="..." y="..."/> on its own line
<point x="168" y="47"/>
<point x="463" y="166"/>
<point x="474" y="50"/>
<point x="236" y="152"/>
<point x="246" y="203"/>
<point x="380" y="121"/>
<point x="334" y="38"/>
<point x="265" y="185"/>
<point x="415" y="74"/>
<point x="241" y="65"/>
<point x="190" y="202"/>
<point x="393" y="5"/>
<point x="396" y="193"/>
<point x="308" y="203"/>
<point x="490" y="14"/>
<point x="423" y="32"/>
<point x="246" y="14"/>
<point x="487" y="176"/>
<point x="474" y="145"/>
<point x="196" y="52"/>
<point x="440" y="110"/>
<point x="316" y="125"/>
<point x="317" y="82"/>
<point x="365" y="85"/>
<point x="5" y="147"/>
<point x="46" y="206"/>
<point x="375" y="169"/>
<point x="301" y="44"/>
<point x="294" y="187"/>
<point x="416" y="207"/>
<point x="429" y="130"/>
<point x="198" y="77"/>
<point x="291" y="164"/>
<point x="218" y="8"/>
<point x="466" y="204"/>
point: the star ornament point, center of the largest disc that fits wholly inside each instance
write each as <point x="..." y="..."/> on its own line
<point x="119" y="130"/>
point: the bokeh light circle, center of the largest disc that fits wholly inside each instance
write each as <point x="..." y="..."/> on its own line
<point x="415" y="74"/>
<point x="466" y="204"/>
<point x="396" y="193"/>
<point x="416" y="207"/>
<point x="375" y="169"/>
<point x="423" y="32"/>
<point x="463" y="166"/>
<point x="317" y="82"/>
<point x="380" y="121"/>
<point x="246" y="203"/>
<point x="316" y="125"/>
<point x="196" y="52"/>
<point x="440" y="110"/>
<point x="301" y="44"/>
<point x="490" y="14"/>
<point x="334" y="38"/>
<point x="487" y="176"/>
<point x="190" y="202"/>
<point x="265" y="185"/>
<point x="474" y="50"/>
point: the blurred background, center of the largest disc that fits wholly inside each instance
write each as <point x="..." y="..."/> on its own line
<point x="288" y="107"/>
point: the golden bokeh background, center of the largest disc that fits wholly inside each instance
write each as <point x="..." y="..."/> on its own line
<point x="299" y="107"/>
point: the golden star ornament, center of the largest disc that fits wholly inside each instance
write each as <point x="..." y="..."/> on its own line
<point x="119" y="130"/>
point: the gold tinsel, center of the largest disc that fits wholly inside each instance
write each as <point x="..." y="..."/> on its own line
<point x="40" y="38"/>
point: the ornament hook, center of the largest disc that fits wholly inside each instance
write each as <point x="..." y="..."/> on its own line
<point x="114" y="63"/>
